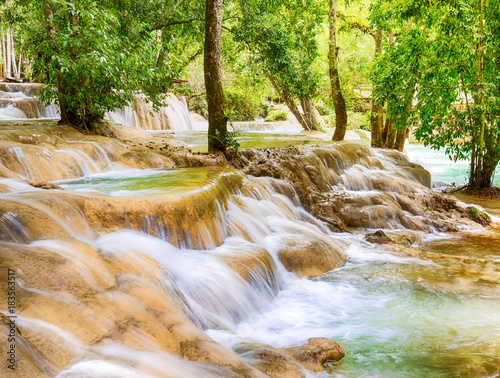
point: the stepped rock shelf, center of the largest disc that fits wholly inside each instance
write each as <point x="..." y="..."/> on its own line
<point x="135" y="257"/>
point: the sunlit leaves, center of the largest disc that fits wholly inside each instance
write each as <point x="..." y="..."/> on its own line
<point x="103" y="56"/>
<point x="437" y="50"/>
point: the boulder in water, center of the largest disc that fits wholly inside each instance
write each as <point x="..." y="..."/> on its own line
<point x="44" y="185"/>
<point x="271" y="361"/>
<point x="378" y="237"/>
<point x="478" y="216"/>
<point x="288" y="362"/>
<point x="406" y="237"/>
<point x="318" y="352"/>
<point x="309" y="256"/>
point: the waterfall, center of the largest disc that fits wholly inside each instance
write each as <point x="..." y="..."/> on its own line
<point x="174" y="116"/>
<point x="18" y="154"/>
<point x="86" y="164"/>
<point x="11" y="112"/>
<point x="194" y="282"/>
<point x="20" y="101"/>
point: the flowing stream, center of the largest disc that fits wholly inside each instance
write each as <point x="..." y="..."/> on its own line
<point x="396" y="316"/>
<point x="442" y="168"/>
<point x="139" y="272"/>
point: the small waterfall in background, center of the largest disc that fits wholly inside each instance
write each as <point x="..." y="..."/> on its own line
<point x="174" y="116"/>
<point x="20" y="101"/>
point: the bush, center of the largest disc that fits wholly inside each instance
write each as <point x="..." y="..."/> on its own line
<point x="244" y="105"/>
<point x="359" y="120"/>
<point x="198" y="104"/>
<point x="324" y="109"/>
<point x="277" y="115"/>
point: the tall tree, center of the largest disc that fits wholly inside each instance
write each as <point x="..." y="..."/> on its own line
<point x="337" y="97"/>
<point x="443" y="74"/>
<point x="217" y="121"/>
<point x="281" y="34"/>
<point x="97" y="55"/>
<point x="377" y="109"/>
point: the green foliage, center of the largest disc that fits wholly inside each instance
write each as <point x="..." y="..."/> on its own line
<point x="356" y="51"/>
<point x="277" y="115"/>
<point x="280" y="36"/>
<point x="324" y="109"/>
<point x="359" y="120"/>
<point x="246" y="106"/>
<point x="230" y="140"/>
<point x="481" y="217"/>
<point x="198" y="104"/>
<point x="99" y="54"/>
<point x="445" y="63"/>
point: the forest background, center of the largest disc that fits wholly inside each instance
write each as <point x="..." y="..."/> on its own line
<point x="388" y="66"/>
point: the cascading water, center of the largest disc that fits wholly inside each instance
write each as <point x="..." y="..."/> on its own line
<point x="136" y="272"/>
<point x="174" y="116"/>
<point x="19" y="101"/>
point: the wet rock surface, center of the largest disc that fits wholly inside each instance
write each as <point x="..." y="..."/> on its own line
<point x="289" y="362"/>
<point x="351" y="186"/>
<point x="378" y="237"/>
<point x="308" y="256"/>
<point x="79" y="300"/>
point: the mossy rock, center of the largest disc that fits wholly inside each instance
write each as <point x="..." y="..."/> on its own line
<point x="481" y="217"/>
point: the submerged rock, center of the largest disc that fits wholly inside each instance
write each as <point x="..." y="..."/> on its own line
<point x="318" y="352"/>
<point x="406" y="237"/>
<point x="271" y="361"/>
<point x="290" y="362"/>
<point x="44" y="185"/>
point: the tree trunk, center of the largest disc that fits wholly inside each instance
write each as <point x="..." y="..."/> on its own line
<point x="20" y="58"/>
<point x="310" y="114"/>
<point x="51" y="36"/>
<point x="482" y="171"/>
<point x="217" y="122"/>
<point x="377" y="113"/>
<point x="13" y="54"/>
<point x="8" y="61"/>
<point x="377" y="125"/>
<point x="399" y="143"/>
<point x="338" y="99"/>
<point x="4" y="56"/>
<point x="289" y="102"/>
<point x="390" y="134"/>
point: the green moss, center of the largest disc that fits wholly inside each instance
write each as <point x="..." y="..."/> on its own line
<point x="481" y="217"/>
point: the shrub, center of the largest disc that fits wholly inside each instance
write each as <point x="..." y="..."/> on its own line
<point x="277" y="115"/>
<point x="359" y="120"/>
<point x="245" y="106"/>
<point x="198" y="104"/>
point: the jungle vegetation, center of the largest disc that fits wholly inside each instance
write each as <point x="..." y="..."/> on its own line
<point x="429" y="67"/>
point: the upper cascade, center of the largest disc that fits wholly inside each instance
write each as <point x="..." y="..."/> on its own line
<point x="20" y="101"/>
<point x="174" y="116"/>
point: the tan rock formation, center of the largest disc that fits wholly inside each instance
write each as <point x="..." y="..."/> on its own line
<point x="308" y="256"/>
<point x="289" y="362"/>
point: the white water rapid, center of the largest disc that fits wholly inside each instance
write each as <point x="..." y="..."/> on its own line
<point x="126" y="272"/>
